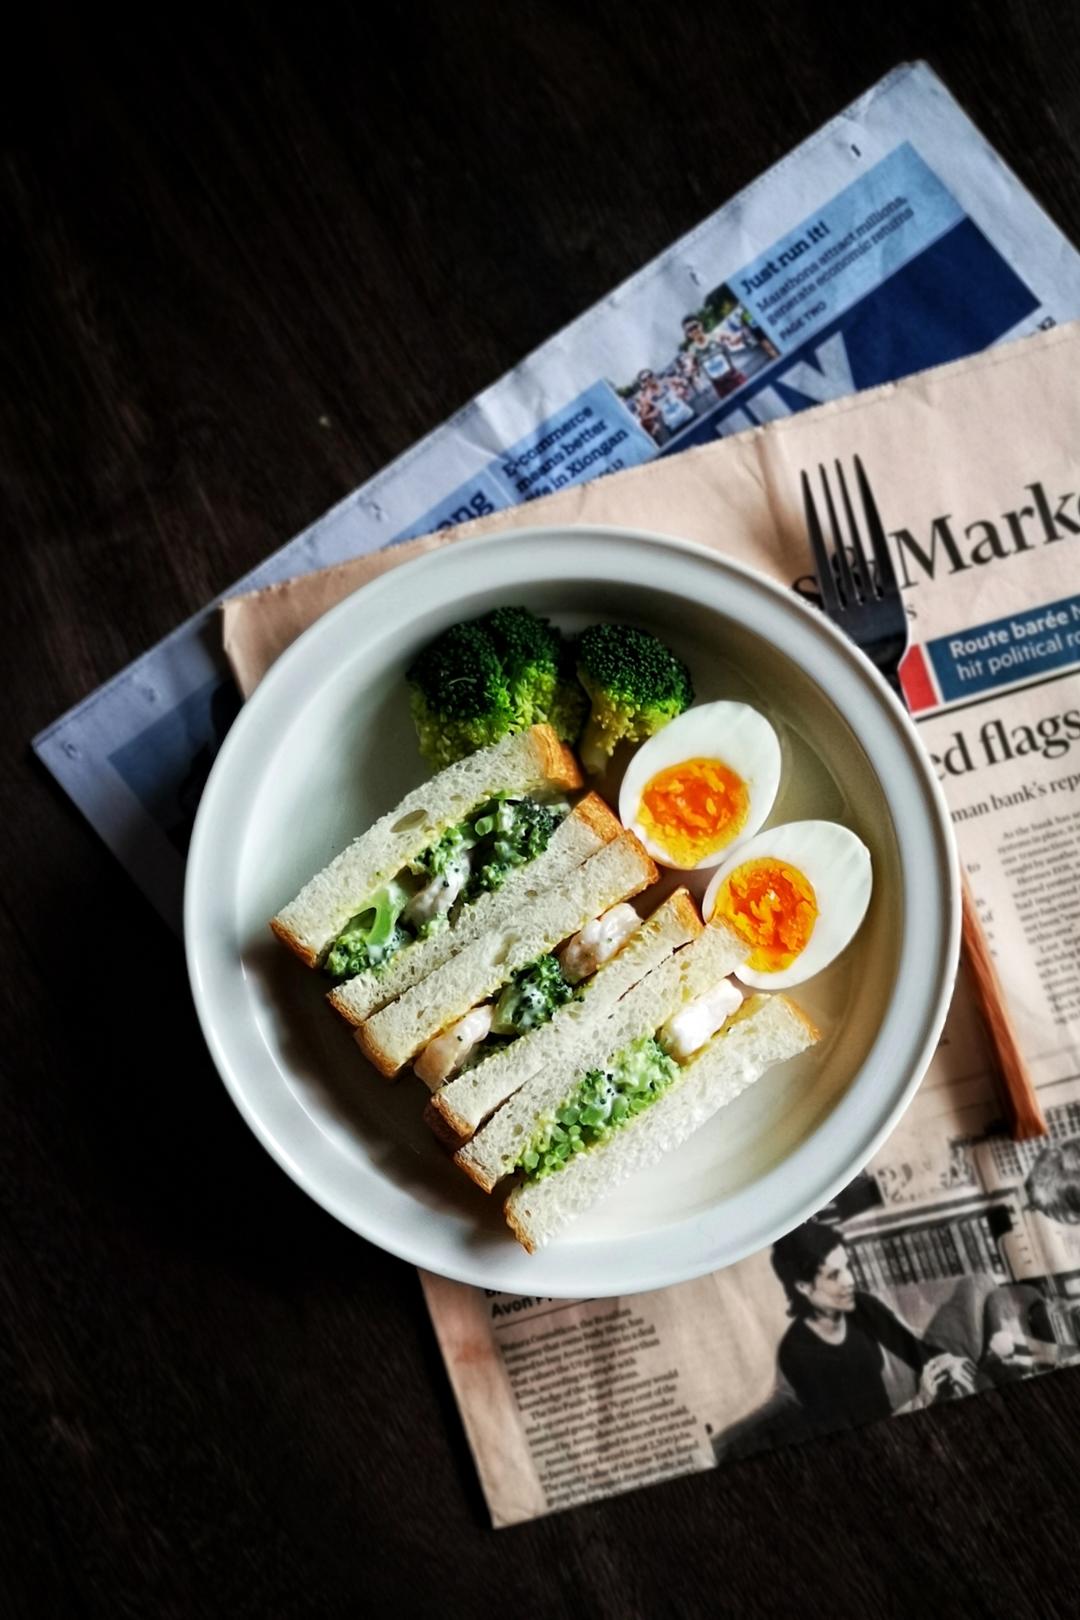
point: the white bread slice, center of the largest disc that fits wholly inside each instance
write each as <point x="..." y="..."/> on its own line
<point x="460" y="1106"/>
<point x="396" y="1033"/>
<point x="531" y="761"/>
<point x="765" y="1030"/>
<point x="588" y="827"/>
<point x="493" y="1151"/>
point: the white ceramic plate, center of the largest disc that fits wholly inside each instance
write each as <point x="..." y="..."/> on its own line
<point x="325" y="746"/>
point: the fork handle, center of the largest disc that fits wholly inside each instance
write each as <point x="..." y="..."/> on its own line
<point x="1022" y="1107"/>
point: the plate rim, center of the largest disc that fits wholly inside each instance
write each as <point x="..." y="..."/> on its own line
<point x="459" y="1267"/>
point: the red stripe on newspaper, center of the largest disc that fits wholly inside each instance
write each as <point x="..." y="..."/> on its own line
<point x="917" y="681"/>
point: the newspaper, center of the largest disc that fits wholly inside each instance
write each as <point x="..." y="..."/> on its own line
<point x="893" y="240"/>
<point x="955" y="1257"/>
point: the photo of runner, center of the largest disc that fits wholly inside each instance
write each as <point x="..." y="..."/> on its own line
<point x="711" y="352"/>
<point x="722" y="313"/>
<point x="721" y="348"/>
<point x="662" y="403"/>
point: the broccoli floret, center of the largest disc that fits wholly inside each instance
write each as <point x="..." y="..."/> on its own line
<point x="635" y="686"/>
<point x="499" y="674"/>
<point x="528" y="650"/>
<point x="540" y="677"/>
<point x="460" y="698"/>
<point x="533" y="996"/>
<point x="372" y="937"/>
<point x="520" y="830"/>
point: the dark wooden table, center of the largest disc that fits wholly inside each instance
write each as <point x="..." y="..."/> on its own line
<point x="242" y="268"/>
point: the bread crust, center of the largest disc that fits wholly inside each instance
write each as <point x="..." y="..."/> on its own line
<point x="650" y="870"/>
<point x="374" y="1053"/>
<point x="683" y="904"/>
<point x="441" y="1128"/>
<point x="342" y="1008"/>
<point x="597" y="815"/>
<point x="520" y="1232"/>
<point x="802" y="1018"/>
<point x="475" y="1173"/>
<point x="294" y="942"/>
<point x="451" y="1122"/>
<point x="559" y="762"/>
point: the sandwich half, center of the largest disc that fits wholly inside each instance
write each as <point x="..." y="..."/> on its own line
<point x="459" y="1106"/>
<point x="396" y="1033"/>
<point x="672" y="985"/>
<point x="464" y="830"/>
<point x="765" y="1030"/>
<point x="588" y="827"/>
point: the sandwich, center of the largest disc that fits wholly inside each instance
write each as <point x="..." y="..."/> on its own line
<point x="471" y="915"/>
<point x="678" y="1046"/>
<point x="765" y="1030"/>
<point x="459" y="1105"/>
<point x="507" y="976"/>
<point x="417" y="871"/>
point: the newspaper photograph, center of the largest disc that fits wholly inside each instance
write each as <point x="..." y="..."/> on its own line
<point x="953" y="1261"/>
<point x="893" y="240"/>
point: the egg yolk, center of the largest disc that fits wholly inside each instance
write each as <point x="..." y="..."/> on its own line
<point x="774" y="907"/>
<point x="693" y="809"/>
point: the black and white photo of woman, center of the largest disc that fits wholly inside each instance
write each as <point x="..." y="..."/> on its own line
<point x="832" y="1353"/>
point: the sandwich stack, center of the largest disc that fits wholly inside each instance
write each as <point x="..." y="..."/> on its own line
<point x="483" y="932"/>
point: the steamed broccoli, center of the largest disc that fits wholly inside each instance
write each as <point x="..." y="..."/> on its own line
<point x="540" y="679"/>
<point x="460" y="700"/>
<point x="491" y="676"/>
<point x="635" y="686"/>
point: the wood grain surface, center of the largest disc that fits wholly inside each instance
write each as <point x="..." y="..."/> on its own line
<point x="243" y="266"/>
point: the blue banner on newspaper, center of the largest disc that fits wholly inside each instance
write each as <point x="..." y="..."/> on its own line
<point x="593" y="435"/>
<point x="1022" y="645"/>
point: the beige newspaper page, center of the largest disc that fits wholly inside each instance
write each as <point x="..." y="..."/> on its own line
<point x="956" y="1255"/>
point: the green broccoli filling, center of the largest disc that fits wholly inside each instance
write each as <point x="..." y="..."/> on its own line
<point x="602" y="1101"/>
<point x="635" y="686"/>
<point x="532" y="997"/>
<point x="484" y="679"/>
<point x="469" y="859"/>
<point x="373" y="937"/>
<point x="509" y="833"/>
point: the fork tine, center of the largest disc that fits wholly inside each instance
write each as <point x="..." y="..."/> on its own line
<point x="847" y="584"/>
<point x="886" y="573"/>
<point x="865" y="577"/>
<point x="826" y="583"/>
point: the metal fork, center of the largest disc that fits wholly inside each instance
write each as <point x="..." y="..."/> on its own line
<point x="865" y="602"/>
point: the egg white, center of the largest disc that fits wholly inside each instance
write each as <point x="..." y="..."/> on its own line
<point x="837" y="863"/>
<point x="734" y="733"/>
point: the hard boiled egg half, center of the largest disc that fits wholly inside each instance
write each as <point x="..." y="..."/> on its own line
<point x="702" y="785"/>
<point x="797" y="894"/>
